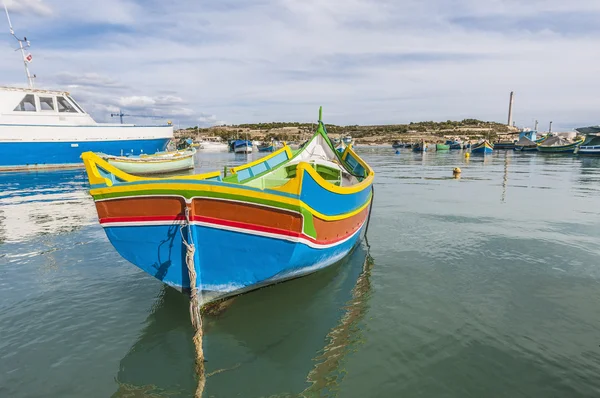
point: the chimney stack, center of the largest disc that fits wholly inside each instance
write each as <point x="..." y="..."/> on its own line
<point x="510" y="106"/>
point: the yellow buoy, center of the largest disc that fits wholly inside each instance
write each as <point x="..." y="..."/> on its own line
<point x="456" y="173"/>
<point x="467" y="155"/>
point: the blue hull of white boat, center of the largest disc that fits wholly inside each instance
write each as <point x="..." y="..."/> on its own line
<point x="22" y="155"/>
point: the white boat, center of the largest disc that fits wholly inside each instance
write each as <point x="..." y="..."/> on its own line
<point x="591" y="145"/>
<point x="48" y="128"/>
<point x="159" y="163"/>
<point x="212" y="144"/>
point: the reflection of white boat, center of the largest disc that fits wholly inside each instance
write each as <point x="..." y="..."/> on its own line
<point x="162" y="162"/>
<point x="61" y="205"/>
<point x="43" y="128"/>
<point x="212" y="144"/>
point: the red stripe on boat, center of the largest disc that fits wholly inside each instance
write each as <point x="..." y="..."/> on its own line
<point x="227" y="223"/>
<point x="141" y="219"/>
<point x="276" y="231"/>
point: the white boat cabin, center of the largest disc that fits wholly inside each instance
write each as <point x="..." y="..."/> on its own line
<point x="27" y="106"/>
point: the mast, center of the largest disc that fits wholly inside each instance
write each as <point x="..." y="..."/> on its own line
<point x="26" y="58"/>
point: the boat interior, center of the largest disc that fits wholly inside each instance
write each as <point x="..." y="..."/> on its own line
<point x="272" y="171"/>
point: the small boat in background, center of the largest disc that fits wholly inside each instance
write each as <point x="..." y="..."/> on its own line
<point x="341" y="146"/>
<point x="159" y="163"/>
<point x="397" y="144"/>
<point x="591" y="144"/>
<point x="483" y="147"/>
<point x="557" y="144"/>
<point x="504" y="145"/>
<point x="420" y="146"/>
<point x="527" y="141"/>
<point x="454" y="144"/>
<point x="212" y="144"/>
<point x="240" y="146"/>
<point x="266" y="147"/>
<point x="347" y="140"/>
<point x="442" y="147"/>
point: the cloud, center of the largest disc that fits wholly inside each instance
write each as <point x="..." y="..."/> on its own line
<point x="87" y="80"/>
<point x="37" y="7"/>
<point x="366" y="61"/>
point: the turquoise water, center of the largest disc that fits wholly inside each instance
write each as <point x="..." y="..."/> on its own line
<point x="487" y="285"/>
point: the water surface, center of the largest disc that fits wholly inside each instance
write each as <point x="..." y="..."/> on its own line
<point x="487" y="285"/>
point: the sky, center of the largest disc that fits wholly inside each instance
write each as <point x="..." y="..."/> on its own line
<point x="366" y="62"/>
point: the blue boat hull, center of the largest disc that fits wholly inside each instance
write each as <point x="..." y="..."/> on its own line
<point x="270" y="148"/>
<point x="482" y="149"/>
<point x="17" y="155"/>
<point x="224" y="268"/>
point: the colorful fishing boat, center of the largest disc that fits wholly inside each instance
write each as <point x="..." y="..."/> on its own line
<point x="442" y="147"/>
<point x="285" y="215"/>
<point x="527" y="141"/>
<point x="397" y="144"/>
<point x="420" y="146"/>
<point x="483" y="147"/>
<point x="159" y="163"/>
<point x="454" y="144"/>
<point x="557" y="144"/>
<point x="266" y="147"/>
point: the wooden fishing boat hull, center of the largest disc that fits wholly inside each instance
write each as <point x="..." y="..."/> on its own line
<point x="154" y="164"/>
<point x="397" y="145"/>
<point x="523" y="148"/>
<point x="442" y="147"/>
<point x="570" y="148"/>
<point x="245" y="237"/>
<point x="483" y="148"/>
<point x="419" y="148"/>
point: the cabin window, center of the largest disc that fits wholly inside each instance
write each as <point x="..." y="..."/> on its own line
<point x="46" y="103"/>
<point x="76" y="104"/>
<point x="27" y="104"/>
<point x="64" y="105"/>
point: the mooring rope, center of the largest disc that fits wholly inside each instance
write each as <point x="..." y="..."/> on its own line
<point x="369" y="216"/>
<point x="195" y="308"/>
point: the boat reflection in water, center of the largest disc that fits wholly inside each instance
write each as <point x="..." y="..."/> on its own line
<point x="260" y="344"/>
<point x="43" y="203"/>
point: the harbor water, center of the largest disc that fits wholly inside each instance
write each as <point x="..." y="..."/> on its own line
<point x="483" y="286"/>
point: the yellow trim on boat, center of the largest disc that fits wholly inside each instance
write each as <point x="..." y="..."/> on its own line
<point x="261" y="160"/>
<point x="227" y="190"/>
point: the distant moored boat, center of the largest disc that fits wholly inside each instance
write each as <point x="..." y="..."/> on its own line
<point x="483" y="147"/>
<point x="558" y="144"/>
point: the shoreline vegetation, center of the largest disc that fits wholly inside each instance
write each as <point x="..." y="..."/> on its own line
<point x="468" y="129"/>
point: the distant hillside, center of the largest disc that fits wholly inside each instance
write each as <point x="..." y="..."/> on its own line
<point x="382" y="133"/>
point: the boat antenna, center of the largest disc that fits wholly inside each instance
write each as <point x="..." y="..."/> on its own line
<point x="23" y="45"/>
